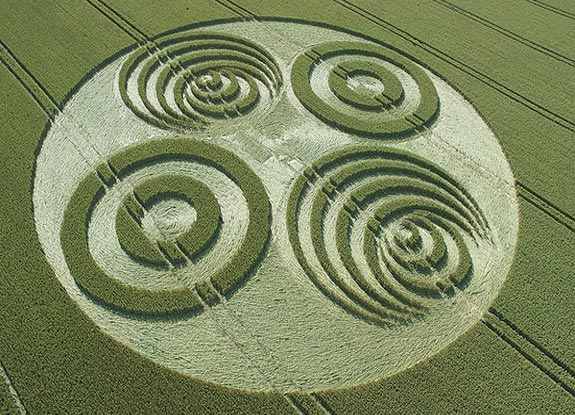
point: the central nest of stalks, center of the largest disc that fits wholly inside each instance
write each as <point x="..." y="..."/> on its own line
<point x="168" y="218"/>
<point x="365" y="84"/>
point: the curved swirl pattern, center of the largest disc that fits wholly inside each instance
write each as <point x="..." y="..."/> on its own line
<point x="181" y="246"/>
<point x="383" y="233"/>
<point x="371" y="90"/>
<point x="195" y="78"/>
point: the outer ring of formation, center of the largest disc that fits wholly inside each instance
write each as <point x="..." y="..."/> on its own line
<point x="169" y="88"/>
<point x="106" y="288"/>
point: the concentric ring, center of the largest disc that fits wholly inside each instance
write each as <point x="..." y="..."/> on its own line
<point x="190" y="243"/>
<point x="403" y="102"/>
<point x="187" y="248"/>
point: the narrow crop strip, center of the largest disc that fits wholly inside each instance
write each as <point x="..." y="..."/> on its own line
<point x="383" y="233"/>
<point x="12" y="390"/>
<point x="531" y="350"/>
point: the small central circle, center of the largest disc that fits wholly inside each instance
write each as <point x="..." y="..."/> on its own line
<point x="168" y="218"/>
<point x="365" y="84"/>
<point x="206" y="78"/>
<point x="403" y="234"/>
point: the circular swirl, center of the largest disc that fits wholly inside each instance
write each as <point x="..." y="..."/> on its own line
<point x="146" y="191"/>
<point x="365" y="89"/>
<point x="192" y="79"/>
<point x="382" y="232"/>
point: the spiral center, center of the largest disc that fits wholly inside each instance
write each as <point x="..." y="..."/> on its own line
<point x="403" y="234"/>
<point x="168" y="218"/>
<point x="206" y="78"/>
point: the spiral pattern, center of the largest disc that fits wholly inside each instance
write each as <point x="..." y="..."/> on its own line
<point x="365" y="89"/>
<point x="383" y="233"/>
<point x="158" y="185"/>
<point x="195" y="78"/>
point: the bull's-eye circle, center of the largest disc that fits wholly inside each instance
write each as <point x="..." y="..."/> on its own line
<point x="387" y="115"/>
<point x="197" y="79"/>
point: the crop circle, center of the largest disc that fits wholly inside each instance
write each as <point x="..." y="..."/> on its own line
<point x="379" y="113"/>
<point x="324" y="237"/>
<point x="411" y="218"/>
<point x="191" y="80"/>
<point x="166" y="251"/>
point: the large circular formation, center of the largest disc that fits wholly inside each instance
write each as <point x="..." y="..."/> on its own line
<point x="165" y="252"/>
<point x="188" y="81"/>
<point x="389" y="112"/>
<point x="275" y="203"/>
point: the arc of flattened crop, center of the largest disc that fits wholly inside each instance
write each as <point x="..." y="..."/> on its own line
<point x="128" y="298"/>
<point x="406" y="209"/>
